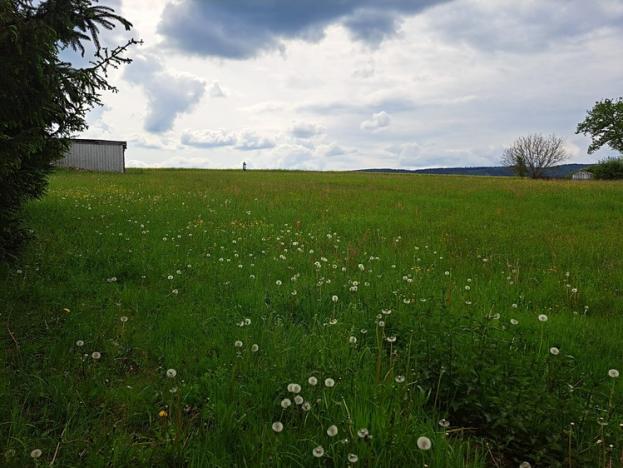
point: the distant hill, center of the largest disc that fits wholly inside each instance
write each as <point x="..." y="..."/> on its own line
<point x="556" y="172"/>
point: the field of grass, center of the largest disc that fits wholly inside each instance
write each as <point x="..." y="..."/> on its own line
<point x="159" y="317"/>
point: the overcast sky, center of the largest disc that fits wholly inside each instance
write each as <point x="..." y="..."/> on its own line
<point x="349" y="84"/>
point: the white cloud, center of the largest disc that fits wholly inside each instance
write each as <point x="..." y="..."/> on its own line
<point x="306" y="130"/>
<point x="215" y="90"/>
<point x="376" y="122"/>
<point x="249" y="141"/>
<point x="208" y="138"/>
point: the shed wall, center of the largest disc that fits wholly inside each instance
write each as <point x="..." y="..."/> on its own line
<point x="94" y="157"/>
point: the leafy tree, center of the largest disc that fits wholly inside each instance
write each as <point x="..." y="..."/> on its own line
<point x="604" y="123"/>
<point x="44" y="100"/>
<point x="533" y="154"/>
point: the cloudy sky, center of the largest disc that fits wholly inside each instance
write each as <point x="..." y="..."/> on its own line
<point x="349" y="84"/>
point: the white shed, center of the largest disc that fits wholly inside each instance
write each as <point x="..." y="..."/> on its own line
<point x="582" y="175"/>
<point x="95" y="155"/>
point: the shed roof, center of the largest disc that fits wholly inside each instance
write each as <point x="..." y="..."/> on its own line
<point x="99" y="142"/>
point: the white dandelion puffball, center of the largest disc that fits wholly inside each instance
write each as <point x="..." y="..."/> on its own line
<point x="96" y="355"/>
<point x="554" y="351"/>
<point x="255" y="348"/>
<point x="329" y="382"/>
<point x="424" y="443"/>
<point x="399" y="378"/>
<point x="525" y="465"/>
<point x="444" y="423"/>
<point x="334" y="298"/>
<point x="277" y="426"/>
<point x="332" y="430"/>
<point x="613" y="373"/>
<point x="352" y="340"/>
<point x="294" y="388"/>
<point x="312" y="381"/>
<point x="318" y="451"/>
<point x="542" y="318"/>
<point x="171" y="373"/>
<point x="352" y="458"/>
<point x="36" y="453"/>
<point x="514" y="321"/>
<point x="298" y="399"/>
<point x="238" y="344"/>
<point x="285" y="403"/>
<point x="391" y="339"/>
<point x="79" y="343"/>
<point x="123" y="318"/>
<point x="306" y="406"/>
<point x="363" y="433"/>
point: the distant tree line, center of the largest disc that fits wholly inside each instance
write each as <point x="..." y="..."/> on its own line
<point x="44" y="100"/>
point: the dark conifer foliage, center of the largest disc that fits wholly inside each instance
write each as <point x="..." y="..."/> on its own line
<point x="44" y="100"/>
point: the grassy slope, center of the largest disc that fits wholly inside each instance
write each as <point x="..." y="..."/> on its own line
<point x="92" y="227"/>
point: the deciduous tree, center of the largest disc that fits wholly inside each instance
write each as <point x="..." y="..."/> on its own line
<point x="604" y="123"/>
<point x="531" y="155"/>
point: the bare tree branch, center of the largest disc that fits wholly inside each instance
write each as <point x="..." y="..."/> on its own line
<point x="531" y="155"/>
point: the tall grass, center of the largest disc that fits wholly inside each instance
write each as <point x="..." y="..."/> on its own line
<point x="418" y="296"/>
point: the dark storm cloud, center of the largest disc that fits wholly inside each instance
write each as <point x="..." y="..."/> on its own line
<point x="168" y="95"/>
<point x="241" y="29"/>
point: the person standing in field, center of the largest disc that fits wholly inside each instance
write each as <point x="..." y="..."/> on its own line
<point x="244" y="165"/>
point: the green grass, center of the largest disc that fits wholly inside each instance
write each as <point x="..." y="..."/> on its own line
<point x="453" y="258"/>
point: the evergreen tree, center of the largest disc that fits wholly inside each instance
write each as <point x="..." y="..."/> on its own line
<point x="44" y="100"/>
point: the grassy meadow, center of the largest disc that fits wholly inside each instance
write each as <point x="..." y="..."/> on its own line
<point x="160" y="318"/>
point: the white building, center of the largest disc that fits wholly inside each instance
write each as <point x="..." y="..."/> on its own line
<point x="582" y="175"/>
<point x="95" y="155"/>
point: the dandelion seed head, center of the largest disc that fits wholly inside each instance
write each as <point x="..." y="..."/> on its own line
<point x="554" y="351"/>
<point x="329" y="382"/>
<point x="96" y="355"/>
<point x="542" y="318"/>
<point x="36" y="453"/>
<point x="79" y="343"/>
<point x="294" y="388"/>
<point x="352" y="458"/>
<point x="277" y="426"/>
<point x="312" y="381"/>
<point x="424" y="443"/>
<point x="613" y="373"/>
<point x="318" y="452"/>
<point x="286" y="403"/>
<point x="332" y="430"/>
<point x="171" y="373"/>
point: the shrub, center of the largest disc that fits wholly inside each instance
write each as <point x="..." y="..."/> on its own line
<point x="608" y="169"/>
